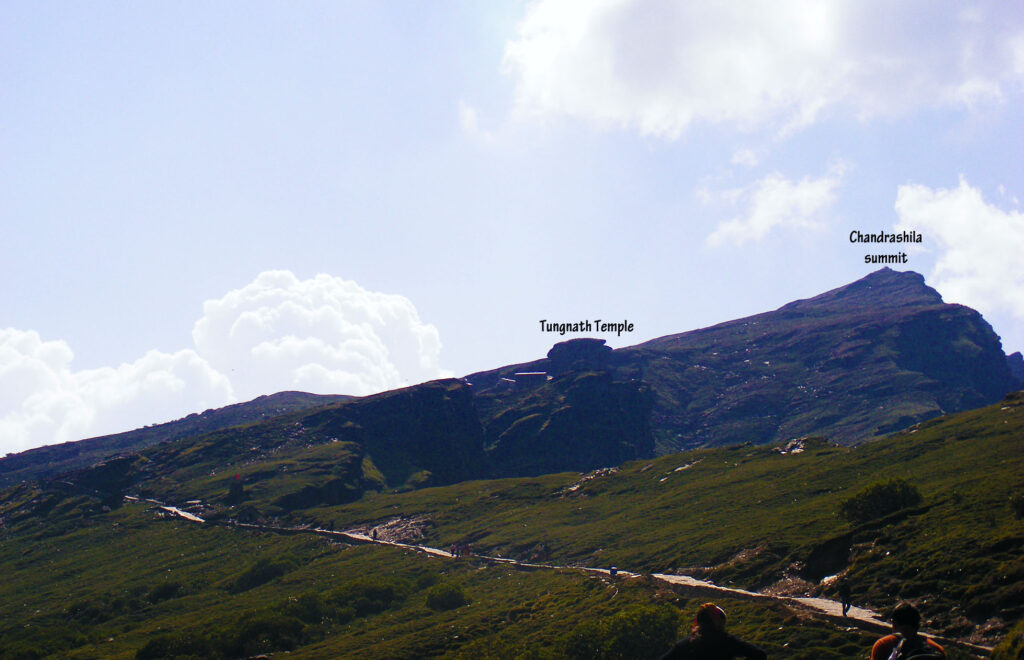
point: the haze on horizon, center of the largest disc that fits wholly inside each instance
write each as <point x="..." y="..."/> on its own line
<point x="203" y="204"/>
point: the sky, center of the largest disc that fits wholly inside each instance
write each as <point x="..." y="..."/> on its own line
<point x="202" y="203"/>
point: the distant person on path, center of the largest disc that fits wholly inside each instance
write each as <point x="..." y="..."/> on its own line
<point x="709" y="641"/>
<point x="906" y="643"/>
<point x="844" y="596"/>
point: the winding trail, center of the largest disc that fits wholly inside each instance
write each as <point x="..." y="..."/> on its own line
<point x="820" y="608"/>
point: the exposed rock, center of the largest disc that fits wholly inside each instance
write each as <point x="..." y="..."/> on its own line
<point x="578" y="355"/>
<point x="869" y="358"/>
<point x="430" y="433"/>
<point x="1015" y="362"/>
<point x="579" y="421"/>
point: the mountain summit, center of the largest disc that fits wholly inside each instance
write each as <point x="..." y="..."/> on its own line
<point x="882" y="288"/>
<point x="864" y="359"/>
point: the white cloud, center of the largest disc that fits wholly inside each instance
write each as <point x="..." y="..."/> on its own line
<point x="979" y="245"/>
<point x="44" y="401"/>
<point x="659" y="66"/>
<point x="773" y="203"/>
<point x="322" y="335"/>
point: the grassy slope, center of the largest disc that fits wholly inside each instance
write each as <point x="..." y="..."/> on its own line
<point x="89" y="593"/>
<point x="74" y="579"/>
<point x="961" y="550"/>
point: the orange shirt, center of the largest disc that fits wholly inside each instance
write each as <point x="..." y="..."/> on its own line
<point x="883" y="648"/>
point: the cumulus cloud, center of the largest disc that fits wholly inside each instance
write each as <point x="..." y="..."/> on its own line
<point x="323" y="335"/>
<point x="773" y="203"/>
<point x="659" y="66"/>
<point x="979" y="245"/>
<point x="44" y="401"/>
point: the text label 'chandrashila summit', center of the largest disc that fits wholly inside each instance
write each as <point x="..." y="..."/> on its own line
<point x="883" y="237"/>
<point x="586" y="326"/>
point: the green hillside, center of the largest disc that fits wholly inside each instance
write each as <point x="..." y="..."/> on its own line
<point x="80" y="569"/>
<point x="757" y="518"/>
<point x="126" y="584"/>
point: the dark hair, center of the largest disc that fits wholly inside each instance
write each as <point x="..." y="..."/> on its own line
<point x="906" y="614"/>
<point x="710" y="620"/>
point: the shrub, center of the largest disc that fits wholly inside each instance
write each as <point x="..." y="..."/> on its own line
<point x="370" y="595"/>
<point x="1012" y="646"/>
<point x="178" y="645"/>
<point x="263" y="571"/>
<point x="446" y="597"/>
<point x="165" y="591"/>
<point x="879" y="500"/>
<point x="264" y="632"/>
<point x="309" y="607"/>
<point x="640" y="631"/>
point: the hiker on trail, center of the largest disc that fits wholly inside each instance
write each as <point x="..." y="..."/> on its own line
<point x="374" y="534"/>
<point x="906" y="643"/>
<point x="844" y="596"/>
<point x="709" y="641"/>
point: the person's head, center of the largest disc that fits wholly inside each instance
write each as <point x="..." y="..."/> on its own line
<point x="906" y="620"/>
<point x="710" y="619"/>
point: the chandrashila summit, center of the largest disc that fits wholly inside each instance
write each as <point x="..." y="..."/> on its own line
<point x="886" y="237"/>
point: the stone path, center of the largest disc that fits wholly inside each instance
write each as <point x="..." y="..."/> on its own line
<point x="821" y="608"/>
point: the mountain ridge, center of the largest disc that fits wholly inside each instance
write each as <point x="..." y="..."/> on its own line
<point x="860" y="360"/>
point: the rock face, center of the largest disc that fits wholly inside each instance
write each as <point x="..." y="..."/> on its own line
<point x="867" y="358"/>
<point x="1015" y="362"/>
<point x="578" y="355"/>
<point x="430" y="432"/>
<point x="580" y="420"/>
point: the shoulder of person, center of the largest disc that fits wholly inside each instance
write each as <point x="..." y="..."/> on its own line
<point x="884" y="644"/>
<point x="935" y="645"/>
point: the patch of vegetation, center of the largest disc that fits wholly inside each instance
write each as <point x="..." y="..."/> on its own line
<point x="879" y="500"/>
<point x="261" y="572"/>
<point x="1011" y="648"/>
<point x="637" y="632"/>
<point x="442" y="597"/>
<point x="369" y="595"/>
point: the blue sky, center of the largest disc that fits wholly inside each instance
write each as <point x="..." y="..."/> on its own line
<point x="204" y="202"/>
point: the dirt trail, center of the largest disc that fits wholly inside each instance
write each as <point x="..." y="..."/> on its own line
<point x="820" y="608"/>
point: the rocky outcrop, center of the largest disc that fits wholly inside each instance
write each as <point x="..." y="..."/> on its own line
<point x="580" y="421"/>
<point x="429" y="433"/>
<point x="578" y="355"/>
<point x="1015" y="362"/>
